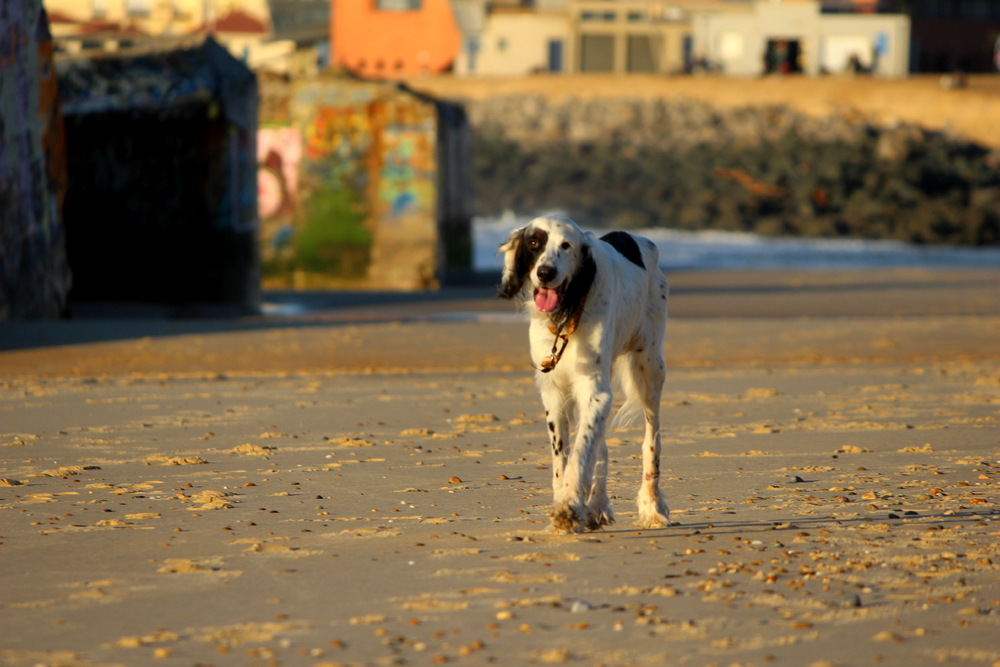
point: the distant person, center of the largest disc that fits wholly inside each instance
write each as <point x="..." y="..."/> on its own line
<point x="854" y="65"/>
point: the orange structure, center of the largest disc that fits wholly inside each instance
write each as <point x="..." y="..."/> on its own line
<point x="394" y="38"/>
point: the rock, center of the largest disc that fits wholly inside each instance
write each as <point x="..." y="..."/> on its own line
<point x="653" y="162"/>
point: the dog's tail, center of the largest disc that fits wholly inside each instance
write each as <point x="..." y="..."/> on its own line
<point x="630" y="413"/>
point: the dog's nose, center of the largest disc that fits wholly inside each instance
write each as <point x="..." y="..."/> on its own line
<point x="546" y="273"/>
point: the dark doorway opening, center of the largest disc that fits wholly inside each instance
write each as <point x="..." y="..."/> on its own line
<point x="783" y="56"/>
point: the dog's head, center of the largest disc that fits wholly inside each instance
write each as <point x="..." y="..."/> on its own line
<point x="551" y="255"/>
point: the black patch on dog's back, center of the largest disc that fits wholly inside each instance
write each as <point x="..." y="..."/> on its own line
<point x="625" y="244"/>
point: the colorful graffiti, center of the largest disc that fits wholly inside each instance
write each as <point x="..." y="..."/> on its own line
<point x="407" y="171"/>
<point x="376" y="145"/>
<point x="279" y="152"/>
<point x="383" y="147"/>
<point x="405" y="161"/>
<point x="337" y="141"/>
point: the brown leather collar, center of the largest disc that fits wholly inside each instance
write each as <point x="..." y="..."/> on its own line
<point x="549" y="362"/>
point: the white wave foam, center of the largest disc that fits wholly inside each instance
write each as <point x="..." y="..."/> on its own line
<point x="744" y="251"/>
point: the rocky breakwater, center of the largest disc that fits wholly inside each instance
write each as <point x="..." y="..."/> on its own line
<point x="621" y="162"/>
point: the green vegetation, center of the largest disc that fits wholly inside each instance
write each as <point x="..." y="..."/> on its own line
<point x="332" y="238"/>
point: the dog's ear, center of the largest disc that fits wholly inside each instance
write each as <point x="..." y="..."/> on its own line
<point x="579" y="284"/>
<point x="516" y="264"/>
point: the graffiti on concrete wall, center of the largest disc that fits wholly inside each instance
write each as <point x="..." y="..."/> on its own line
<point x="404" y="164"/>
<point x="279" y="152"/>
<point x="407" y="171"/>
<point x="385" y="148"/>
<point x="336" y="144"/>
<point x="369" y="159"/>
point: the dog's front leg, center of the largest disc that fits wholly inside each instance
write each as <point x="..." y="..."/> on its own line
<point x="597" y="499"/>
<point x="570" y="511"/>
<point x="557" y="422"/>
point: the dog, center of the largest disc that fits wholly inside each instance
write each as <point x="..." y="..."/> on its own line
<point x="597" y="307"/>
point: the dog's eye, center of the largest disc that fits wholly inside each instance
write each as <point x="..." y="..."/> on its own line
<point x="565" y="245"/>
<point x="533" y="243"/>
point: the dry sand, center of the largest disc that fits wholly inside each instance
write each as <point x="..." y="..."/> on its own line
<point x="972" y="112"/>
<point x="368" y="484"/>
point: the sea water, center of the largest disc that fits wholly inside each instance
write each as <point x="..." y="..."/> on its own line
<point x="683" y="250"/>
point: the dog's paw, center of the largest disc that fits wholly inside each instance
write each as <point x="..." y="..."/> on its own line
<point x="600" y="521"/>
<point x="653" y="515"/>
<point x="600" y="517"/>
<point x="653" y="521"/>
<point x="565" y="519"/>
<point x="569" y="519"/>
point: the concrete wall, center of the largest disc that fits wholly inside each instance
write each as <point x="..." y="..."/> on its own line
<point x="162" y="203"/>
<point x="518" y="43"/>
<point x="408" y="158"/>
<point x="882" y="39"/>
<point x="34" y="272"/>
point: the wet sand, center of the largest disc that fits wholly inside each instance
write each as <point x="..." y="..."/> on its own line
<point x="367" y="483"/>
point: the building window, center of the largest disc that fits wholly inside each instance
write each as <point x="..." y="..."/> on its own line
<point x="597" y="53"/>
<point x="399" y="5"/>
<point x="642" y="53"/>
<point x="137" y="7"/>
<point x="597" y="16"/>
<point x="731" y="46"/>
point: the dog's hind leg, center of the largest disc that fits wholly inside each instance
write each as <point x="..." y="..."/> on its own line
<point x="649" y="372"/>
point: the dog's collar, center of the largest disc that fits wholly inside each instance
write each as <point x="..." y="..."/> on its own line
<point x="549" y="362"/>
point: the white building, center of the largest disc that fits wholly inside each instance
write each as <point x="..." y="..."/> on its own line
<point x="740" y="37"/>
<point x="796" y="37"/>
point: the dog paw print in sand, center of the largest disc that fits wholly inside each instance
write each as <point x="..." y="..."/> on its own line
<point x="249" y="449"/>
<point x="416" y="432"/>
<point x="852" y="449"/>
<point x="66" y="471"/>
<point x="350" y="442"/>
<point x="276" y="546"/>
<point x="478" y="423"/>
<point x="429" y="602"/>
<point x="18" y="439"/>
<point x="191" y="460"/>
<point x="190" y="565"/>
<point x="206" y="500"/>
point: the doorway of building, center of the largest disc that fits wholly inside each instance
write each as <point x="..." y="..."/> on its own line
<point x="783" y="56"/>
<point x="555" y="55"/>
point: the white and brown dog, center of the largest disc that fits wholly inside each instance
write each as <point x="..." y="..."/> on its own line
<point x="597" y="306"/>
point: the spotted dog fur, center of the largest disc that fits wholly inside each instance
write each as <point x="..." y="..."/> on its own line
<point x="611" y="297"/>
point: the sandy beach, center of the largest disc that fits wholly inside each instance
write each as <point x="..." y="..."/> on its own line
<point x="366" y="480"/>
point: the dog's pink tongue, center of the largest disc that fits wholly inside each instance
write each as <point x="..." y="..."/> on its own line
<point x="546" y="299"/>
